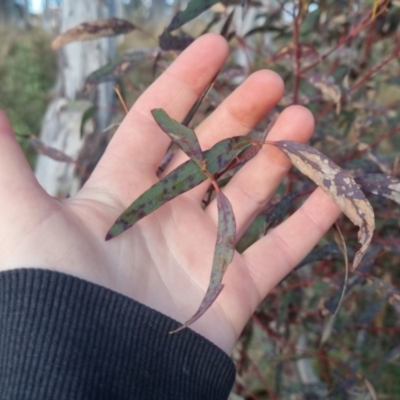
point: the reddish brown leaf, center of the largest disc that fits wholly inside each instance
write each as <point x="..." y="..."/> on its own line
<point x="51" y="152"/>
<point x="180" y="41"/>
<point x="199" y="101"/>
<point x="93" y="30"/>
<point x="381" y="185"/>
<point x="223" y="255"/>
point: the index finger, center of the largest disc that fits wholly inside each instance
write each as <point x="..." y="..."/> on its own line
<point x="139" y="144"/>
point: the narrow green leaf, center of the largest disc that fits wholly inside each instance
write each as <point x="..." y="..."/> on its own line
<point x="184" y="137"/>
<point x="223" y="255"/>
<point x="267" y="27"/>
<point x="185" y="177"/>
<point x="199" y="101"/>
<point x="193" y="9"/>
<point x="310" y="23"/>
<point x="117" y="67"/>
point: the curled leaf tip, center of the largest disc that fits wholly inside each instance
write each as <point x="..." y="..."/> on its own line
<point x="181" y="328"/>
<point x="210" y="297"/>
<point x="339" y="185"/>
<point x="223" y="254"/>
<point x="109" y="236"/>
<point x="116" y="229"/>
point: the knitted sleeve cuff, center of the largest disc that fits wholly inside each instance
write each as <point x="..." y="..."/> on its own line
<point x="65" y="338"/>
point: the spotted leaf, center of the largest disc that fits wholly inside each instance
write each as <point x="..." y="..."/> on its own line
<point x="185" y="177"/>
<point x="93" y="30"/>
<point x="223" y="255"/>
<point x="381" y="185"/>
<point x="338" y="184"/>
<point x="184" y="137"/>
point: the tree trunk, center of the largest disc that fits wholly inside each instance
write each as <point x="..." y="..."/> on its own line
<point x="12" y="12"/>
<point x="47" y="17"/>
<point x="61" y="125"/>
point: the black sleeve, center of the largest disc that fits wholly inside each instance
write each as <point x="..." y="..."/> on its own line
<point x="64" y="338"/>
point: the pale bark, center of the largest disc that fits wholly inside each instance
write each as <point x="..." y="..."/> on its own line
<point x="61" y="126"/>
<point x="12" y="12"/>
<point x="244" y="21"/>
<point x="61" y="131"/>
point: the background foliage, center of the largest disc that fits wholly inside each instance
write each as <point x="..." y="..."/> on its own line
<point x="27" y="74"/>
<point x="341" y="60"/>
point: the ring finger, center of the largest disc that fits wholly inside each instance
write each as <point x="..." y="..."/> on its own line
<point x="255" y="183"/>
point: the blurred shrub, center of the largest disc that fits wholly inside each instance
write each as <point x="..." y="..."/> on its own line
<point x="27" y="73"/>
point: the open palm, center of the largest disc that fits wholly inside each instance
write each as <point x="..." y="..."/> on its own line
<point x="164" y="261"/>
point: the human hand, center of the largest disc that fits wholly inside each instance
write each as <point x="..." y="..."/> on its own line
<point x="164" y="261"/>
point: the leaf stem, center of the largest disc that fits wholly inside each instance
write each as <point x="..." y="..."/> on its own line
<point x="121" y="99"/>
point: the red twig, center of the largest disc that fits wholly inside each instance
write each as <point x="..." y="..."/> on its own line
<point x="297" y="44"/>
<point x="374" y="143"/>
<point x="362" y="81"/>
<point x="364" y="23"/>
<point x="374" y="70"/>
